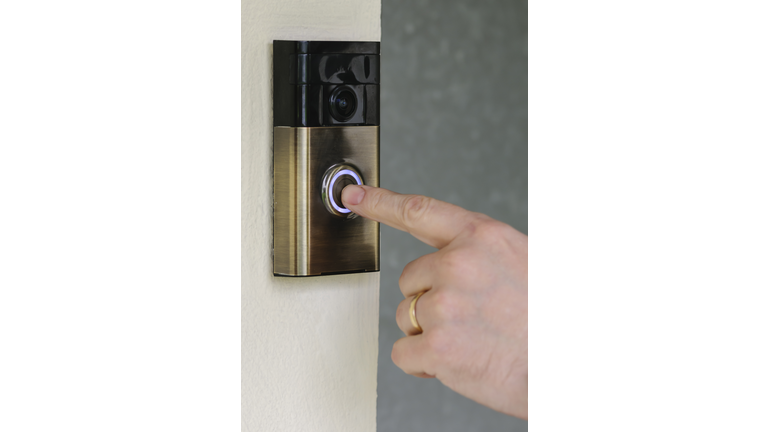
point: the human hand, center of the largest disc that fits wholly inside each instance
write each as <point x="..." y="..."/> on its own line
<point x="474" y="315"/>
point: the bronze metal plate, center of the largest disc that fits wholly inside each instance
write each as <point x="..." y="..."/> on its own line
<point x="307" y="239"/>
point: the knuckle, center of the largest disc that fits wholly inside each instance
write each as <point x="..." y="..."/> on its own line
<point x="398" y="355"/>
<point x="399" y="313"/>
<point x="493" y="231"/>
<point x="414" y="208"/>
<point x="395" y="355"/>
<point x="438" y="341"/>
<point x="407" y="270"/>
<point x="456" y="262"/>
<point x="444" y="307"/>
<point x="494" y="235"/>
<point x="401" y="282"/>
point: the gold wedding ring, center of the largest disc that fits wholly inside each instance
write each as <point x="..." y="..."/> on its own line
<point x="412" y="312"/>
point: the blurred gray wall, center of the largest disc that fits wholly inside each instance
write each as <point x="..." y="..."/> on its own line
<point x="454" y="120"/>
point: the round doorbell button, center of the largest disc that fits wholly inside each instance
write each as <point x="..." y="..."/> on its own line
<point x="334" y="180"/>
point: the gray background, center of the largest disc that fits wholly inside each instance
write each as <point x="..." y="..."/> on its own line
<point x="454" y="127"/>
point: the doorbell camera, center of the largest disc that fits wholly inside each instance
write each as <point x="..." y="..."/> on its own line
<point x="326" y="137"/>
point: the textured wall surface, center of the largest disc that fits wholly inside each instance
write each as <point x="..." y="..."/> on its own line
<point x="309" y="346"/>
<point x="453" y="126"/>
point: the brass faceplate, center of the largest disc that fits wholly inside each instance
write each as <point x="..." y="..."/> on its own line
<point x="309" y="240"/>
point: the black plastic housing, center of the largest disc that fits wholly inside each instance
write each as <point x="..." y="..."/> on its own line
<point x="305" y="74"/>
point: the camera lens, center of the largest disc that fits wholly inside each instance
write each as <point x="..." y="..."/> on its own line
<point x="343" y="103"/>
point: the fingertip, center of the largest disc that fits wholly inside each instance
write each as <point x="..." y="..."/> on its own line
<point x="352" y="195"/>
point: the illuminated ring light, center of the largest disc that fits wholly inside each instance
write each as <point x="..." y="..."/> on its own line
<point x="333" y="181"/>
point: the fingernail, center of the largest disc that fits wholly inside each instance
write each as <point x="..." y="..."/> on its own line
<point x="352" y="195"/>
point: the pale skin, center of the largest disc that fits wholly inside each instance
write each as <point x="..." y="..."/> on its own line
<point x="474" y="314"/>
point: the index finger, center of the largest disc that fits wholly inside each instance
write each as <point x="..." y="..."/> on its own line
<point x="432" y="221"/>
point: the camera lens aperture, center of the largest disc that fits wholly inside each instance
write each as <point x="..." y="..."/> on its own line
<point x="343" y="103"/>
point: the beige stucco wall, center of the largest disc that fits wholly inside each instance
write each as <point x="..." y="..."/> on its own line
<point x="309" y="345"/>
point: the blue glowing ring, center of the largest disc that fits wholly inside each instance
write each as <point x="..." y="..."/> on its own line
<point x="333" y="181"/>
